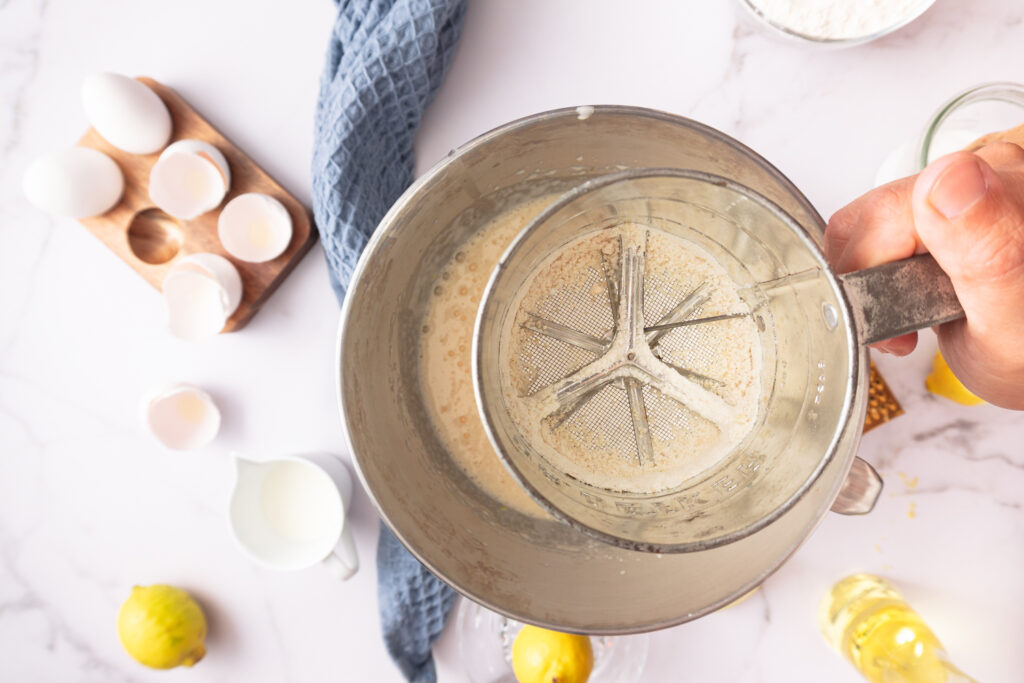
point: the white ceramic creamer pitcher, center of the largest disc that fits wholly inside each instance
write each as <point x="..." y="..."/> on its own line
<point x="289" y="512"/>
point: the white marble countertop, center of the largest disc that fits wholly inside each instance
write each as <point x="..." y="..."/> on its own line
<point x="89" y="505"/>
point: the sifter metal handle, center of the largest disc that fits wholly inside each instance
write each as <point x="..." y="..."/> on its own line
<point x="900" y="297"/>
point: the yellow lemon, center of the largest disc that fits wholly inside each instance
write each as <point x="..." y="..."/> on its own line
<point x="742" y="598"/>
<point x="944" y="383"/>
<point x="543" y="656"/>
<point x="162" y="627"/>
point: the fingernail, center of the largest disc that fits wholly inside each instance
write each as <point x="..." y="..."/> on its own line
<point x="958" y="188"/>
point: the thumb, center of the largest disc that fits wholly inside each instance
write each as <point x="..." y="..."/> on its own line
<point x="971" y="219"/>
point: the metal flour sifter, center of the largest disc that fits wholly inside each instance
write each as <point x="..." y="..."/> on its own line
<point x="664" y="359"/>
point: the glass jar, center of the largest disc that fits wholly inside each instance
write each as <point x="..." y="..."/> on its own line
<point x="977" y="111"/>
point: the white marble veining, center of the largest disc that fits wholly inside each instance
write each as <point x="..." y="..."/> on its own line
<point x="89" y="505"/>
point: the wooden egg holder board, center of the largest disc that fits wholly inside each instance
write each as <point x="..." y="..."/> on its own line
<point x="151" y="242"/>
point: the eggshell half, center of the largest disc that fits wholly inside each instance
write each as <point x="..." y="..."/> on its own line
<point x="201" y="292"/>
<point x="254" y="227"/>
<point x="190" y="178"/>
<point x="222" y="270"/>
<point x="126" y="113"/>
<point x="182" y="417"/>
<point x="77" y="182"/>
<point x="195" y="305"/>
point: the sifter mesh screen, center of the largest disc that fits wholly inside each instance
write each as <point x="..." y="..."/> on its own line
<point x="605" y="397"/>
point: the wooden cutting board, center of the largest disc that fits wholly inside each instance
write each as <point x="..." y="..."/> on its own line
<point x="151" y="242"/>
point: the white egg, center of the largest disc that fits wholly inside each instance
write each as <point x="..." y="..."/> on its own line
<point x="190" y="178"/>
<point x="126" y="113"/>
<point x="77" y="182"/>
<point x="201" y="292"/>
<point x="182" y="417"/>
<point x="254" y="227"/>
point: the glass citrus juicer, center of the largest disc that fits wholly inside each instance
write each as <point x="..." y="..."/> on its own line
<point x="734" y="436"/>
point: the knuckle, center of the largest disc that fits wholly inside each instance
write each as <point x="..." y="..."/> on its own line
<point x="872" y="215"/>
<point x="842" y="220"/>
<point x="998" y="253"/>
<point x="838" y="231"/>
<point x="880" y="204"/>
<point x="891" y="201"/>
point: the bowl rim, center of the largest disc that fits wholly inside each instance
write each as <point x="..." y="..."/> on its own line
<point x="787" y="33"/>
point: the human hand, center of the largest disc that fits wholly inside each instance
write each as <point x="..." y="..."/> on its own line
<point x="967" y="210"/>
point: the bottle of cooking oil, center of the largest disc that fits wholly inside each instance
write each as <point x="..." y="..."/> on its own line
<point x="867" y="621"/>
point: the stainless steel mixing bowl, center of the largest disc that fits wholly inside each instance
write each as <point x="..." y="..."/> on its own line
<point x="540" y="571"/>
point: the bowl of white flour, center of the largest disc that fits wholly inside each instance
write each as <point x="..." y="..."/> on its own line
<point x="835" y="23"/>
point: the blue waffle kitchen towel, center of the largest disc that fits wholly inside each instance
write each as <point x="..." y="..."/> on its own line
<point x="385" y="60"/>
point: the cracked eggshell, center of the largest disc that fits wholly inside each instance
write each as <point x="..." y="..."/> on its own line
<point x="222" y="270"/>
<point x="201" y="292"/>
<point x="182" y="416"/>
<point x="190" y="178"/>
<point x="254" y="227"/>
<point x="126" y="113"/>
<point x="78" y="182"/>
